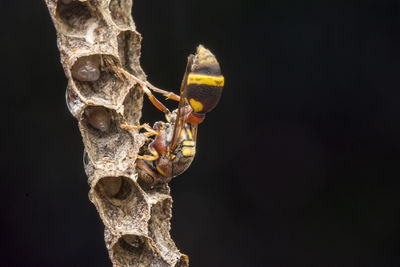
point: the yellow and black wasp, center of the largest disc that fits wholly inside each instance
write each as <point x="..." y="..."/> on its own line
<point x="174" y="145"/>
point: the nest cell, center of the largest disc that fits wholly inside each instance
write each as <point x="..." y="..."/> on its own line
<point x="105" y="140"/>
<point x="131" y="250"/>
<point x="120" y="12"/>
<point x="96" y="80"/>
<point x="121" y="204"/>
<point x="73" y="15"/>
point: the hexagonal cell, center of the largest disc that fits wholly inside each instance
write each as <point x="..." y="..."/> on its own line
<point x="132" y="250"/>
<point x="132" y="111"/>
<point x="96" y="81"/>
<point x="159" y="226"/>
<point x="105" y="140"/>
<point x="129" y="52"/>
<point x="74" y="15"/>
<point x="115" y="189"/>
<point x="121" y="12"/>
<point x="121" y="204"/>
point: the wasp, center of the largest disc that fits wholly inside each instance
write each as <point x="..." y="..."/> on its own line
<point x="174" y="145"/>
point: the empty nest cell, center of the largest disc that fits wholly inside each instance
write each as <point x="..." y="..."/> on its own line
<point x="74" y="15"/>
<point x="159" y="227"/>
<point x="120" y="12"/>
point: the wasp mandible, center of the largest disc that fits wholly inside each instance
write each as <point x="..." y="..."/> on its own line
<point x="174" y="145"/>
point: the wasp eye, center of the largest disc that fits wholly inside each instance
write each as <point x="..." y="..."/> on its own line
<point x="86" y="69"/>
<point x="99" y="118"/>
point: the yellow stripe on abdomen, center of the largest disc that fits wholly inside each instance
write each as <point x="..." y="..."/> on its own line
<point x="188" y="151"/>
<point x="188" y="142"/>
<point x="205" y="79"/>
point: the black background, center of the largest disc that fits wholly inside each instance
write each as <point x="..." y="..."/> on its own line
<point x="297" y="166"/>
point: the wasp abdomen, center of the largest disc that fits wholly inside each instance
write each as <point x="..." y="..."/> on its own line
<point x="205" y="82"/>
<point x="188" y="148"/>
<point x="203" y="98"/>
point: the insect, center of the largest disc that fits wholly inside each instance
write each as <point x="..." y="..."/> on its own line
<point x="173" y="147"/>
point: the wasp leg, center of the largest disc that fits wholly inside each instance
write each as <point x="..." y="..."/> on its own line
<point x="149" y="94"/>
<point x="167" y="94"/>
<point x="154" y="155"/>
<point x="107" y="64"/>
<point x="150" y="131"/>
<point x="149" y="174"/>
<point x="155" y="101"/>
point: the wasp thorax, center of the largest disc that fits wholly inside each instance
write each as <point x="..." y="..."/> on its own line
<point x="86" y="69"/>
<point x="99" y="118"/>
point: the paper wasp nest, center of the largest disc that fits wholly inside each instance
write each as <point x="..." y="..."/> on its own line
<point x="93" y="36"/>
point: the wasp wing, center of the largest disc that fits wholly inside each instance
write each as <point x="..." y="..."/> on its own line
<point x="194" y="132"/>
<point x="180" y="119"/>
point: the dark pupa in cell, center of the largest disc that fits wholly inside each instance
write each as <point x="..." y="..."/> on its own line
<point x="99" y="118"/>
<point x="86" y="69"/>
